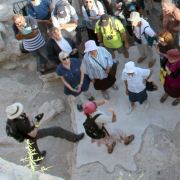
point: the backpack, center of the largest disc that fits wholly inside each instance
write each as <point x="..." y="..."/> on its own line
<point x="150" y="40"/>
<point x="12" y="131"/>
<point x="92" y="129"/>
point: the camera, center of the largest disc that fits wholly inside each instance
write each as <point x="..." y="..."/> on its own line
<point x="109" y="37"/>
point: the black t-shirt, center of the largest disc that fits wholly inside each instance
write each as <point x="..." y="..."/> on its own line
<point x="23" y="125"/>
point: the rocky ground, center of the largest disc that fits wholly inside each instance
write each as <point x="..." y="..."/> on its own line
<point x="26" y="87"/>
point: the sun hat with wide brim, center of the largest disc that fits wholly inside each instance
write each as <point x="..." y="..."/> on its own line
<point x="90" y="46"/>
<point x="14" y="110"/>
<point x="173" y="53"/>
<point x="129" y="67"/>
<point x="89" y="107"/>
<point x="134" y="17"/>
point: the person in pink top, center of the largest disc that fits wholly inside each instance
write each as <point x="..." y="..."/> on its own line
<point x="172" y="78"/>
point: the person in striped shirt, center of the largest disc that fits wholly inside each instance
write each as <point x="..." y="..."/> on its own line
<point x="98" y="63"/>
<point x="26" y="29"/>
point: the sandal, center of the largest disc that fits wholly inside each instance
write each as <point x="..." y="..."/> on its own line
<point x="163" y="98"/>
<point x="175" y="102"/>
<point x="111" y="147"/>
<point x="129" y="139"/>
<point x="151" y="63"/>
<point x="141" y="59"/>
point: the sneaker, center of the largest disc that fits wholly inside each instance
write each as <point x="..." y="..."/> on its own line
<point x="141" y="59"/>
<point x="151" y="63"/>
<point x="129" y="111"/>
<point x="105" y="95"/>
<point x="91" y="98"/>
<point x="79" y="107"/>
<point x="129" y="139"/>
<point x="43" y="154"/>
<point x="79" y="137"/>
<point x="115" y="87"/>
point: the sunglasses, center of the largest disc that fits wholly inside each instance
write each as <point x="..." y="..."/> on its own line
<point x="65" y="58"/>
<point x="88" y="2"/>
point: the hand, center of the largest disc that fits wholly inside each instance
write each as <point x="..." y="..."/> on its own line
<point x="127" y="92"/>
<point x="168" y="71"/>
<point x="74" y="51"/>
<point x="79" y="88"/>
<point x="111" y="110"/>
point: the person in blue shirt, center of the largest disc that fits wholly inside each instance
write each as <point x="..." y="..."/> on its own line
<point x="71" y="73"/>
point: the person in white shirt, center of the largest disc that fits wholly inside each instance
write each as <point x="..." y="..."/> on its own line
<point x="65" y="18"/>
<point x="92" y="11"/>
<point x="135" y="83"/>
<point x="106" y="123"/>
<point x="144" y="36"/>
<point x="58" y="43"/>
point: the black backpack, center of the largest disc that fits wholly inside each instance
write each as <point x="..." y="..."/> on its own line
<point x="12" y="131"/>
<point x="92" y="129"/>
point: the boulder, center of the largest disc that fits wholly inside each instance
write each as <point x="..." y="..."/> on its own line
<point x="51" y="109"/>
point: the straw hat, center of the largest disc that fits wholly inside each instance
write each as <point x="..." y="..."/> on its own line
<point x="14" y="110"/>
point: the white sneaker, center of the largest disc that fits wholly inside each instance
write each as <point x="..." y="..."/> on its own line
<point x="130" y="109"/>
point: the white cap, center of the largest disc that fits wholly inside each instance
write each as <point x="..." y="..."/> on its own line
<point x="90" y="46"/>
<point x="134" y="17"/>
<point x="14" y="110"/>
<point x="129" y="67"/>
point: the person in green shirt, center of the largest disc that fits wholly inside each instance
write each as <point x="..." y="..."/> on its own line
<point x="112" y="34"/>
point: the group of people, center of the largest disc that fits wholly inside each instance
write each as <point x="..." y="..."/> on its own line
<point x="57" y="23"/>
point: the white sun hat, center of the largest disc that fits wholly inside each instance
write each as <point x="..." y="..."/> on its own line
<point x="14" y="110"/>
<point x="90" y="46"/>
<point x="130" y="67"/>
<point x="134" y="17"/>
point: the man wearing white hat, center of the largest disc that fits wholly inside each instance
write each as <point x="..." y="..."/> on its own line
<point x="144" y="37"/>
<point x="135" y="86"/>
<point x="20" y="127"/>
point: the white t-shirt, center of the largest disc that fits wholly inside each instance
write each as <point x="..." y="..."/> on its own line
<point x="136" y="82"/>
<point x="139" y="31"/>
<point x="64" y="45"/>
<point x="71" y="15"/>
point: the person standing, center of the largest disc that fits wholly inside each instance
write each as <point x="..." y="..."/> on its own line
<point x="100" y="67"/>
<point x="92" y="11"/>
<point x="21" y="127"/>
<point x="135" y="83"/>
<point x="112" y="35"/>
<point x="172" y="77"/>
<point x="26" y="29"/>
<point x="144" y="36"/>
<point x="101" y="128"/>
<point x="72" y="75"/>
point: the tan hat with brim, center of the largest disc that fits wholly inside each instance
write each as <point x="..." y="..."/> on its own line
<point x="15" y="110"/>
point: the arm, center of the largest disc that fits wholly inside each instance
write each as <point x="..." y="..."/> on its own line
<point x="20" y="36"/>
<point x="100" y="102"/>
<point x="67" y="84"/>
<point x="122" y="32"/>
<point x="33" y="133"/>
<point x="126" y="87"/>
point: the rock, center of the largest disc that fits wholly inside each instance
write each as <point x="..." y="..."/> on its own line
<point x="12" y="171"/>
<point x="49" y="112"/>
<point x="49" y="77"/>
<point x="51" y="109"/>
<point x="58" y="104"/>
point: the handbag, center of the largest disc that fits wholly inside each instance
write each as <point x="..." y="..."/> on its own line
<point x="103" y="84"/>
<point x="151" y="86"/>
